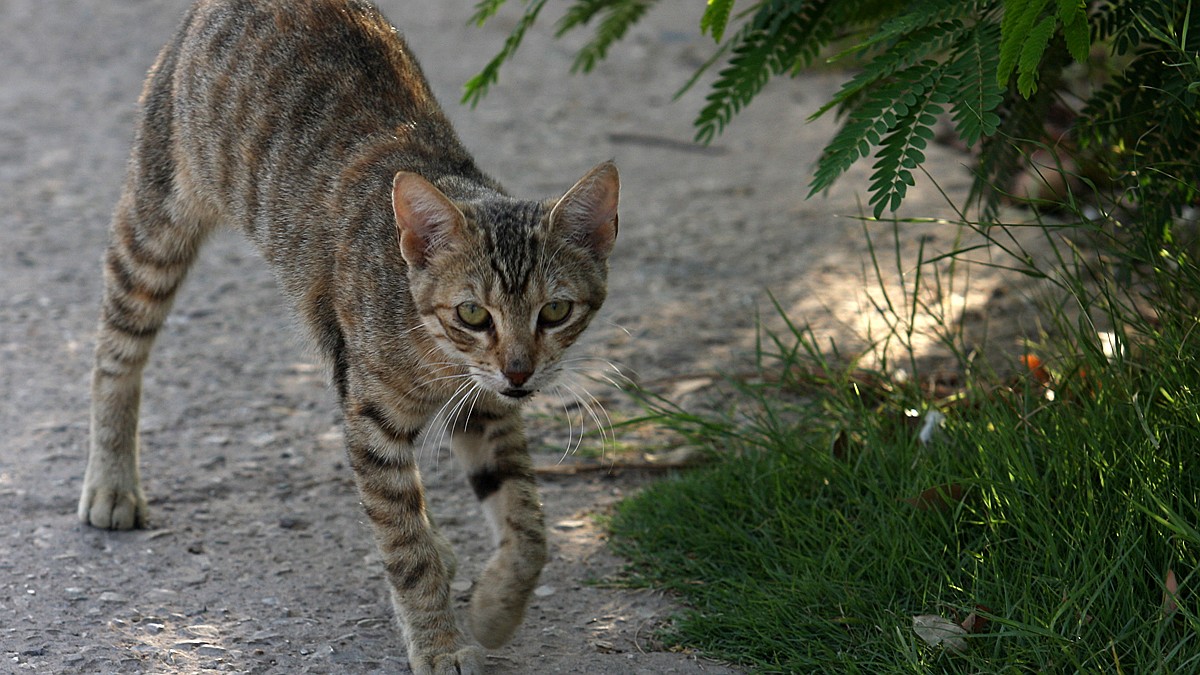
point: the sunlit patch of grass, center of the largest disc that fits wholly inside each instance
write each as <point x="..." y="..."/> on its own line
<point x="1051" y="521"/>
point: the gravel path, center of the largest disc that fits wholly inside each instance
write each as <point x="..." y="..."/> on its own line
<point x="257" y="558"/>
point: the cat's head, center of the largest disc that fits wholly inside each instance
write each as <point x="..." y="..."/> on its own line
<point x="505" y="286"/>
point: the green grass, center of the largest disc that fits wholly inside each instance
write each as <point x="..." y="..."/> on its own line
<point x="801" y="550"/>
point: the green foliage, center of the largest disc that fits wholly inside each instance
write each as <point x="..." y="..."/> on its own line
<point x="715" y="18"/>
<point x="781" y="37"/>
<point x="995" y="66"/>
<point x="1026" y="30"/>
<point x="826" y="524"/>
<point x="478" y="85"/>
<point x="1145" y="123"/>
<point x="618" y="15"/>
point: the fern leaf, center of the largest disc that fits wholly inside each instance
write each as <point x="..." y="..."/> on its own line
<point x="736" y="84"/>
<point x="1002" y="154"/>
<point x="871" y="122"/>
<point x="1073" y="16"/>
<point x="716" y="17"/>
<point x="916" y="16"/>
<point x="578" y="14"/>
<point x="1031" y="55"/>
<point x="912" y="48"/>
<point x="1145" y="121"/>
<point x="782" y="35"/>
<point x="1019" y="17"/>
<point x="619" y="16"/>
<point x="902" y="150"/>
<point x="977" y="95"/>
<point x="476" y="87"/>
<point x="865" y="126"/>
<point x="484" y="10"/>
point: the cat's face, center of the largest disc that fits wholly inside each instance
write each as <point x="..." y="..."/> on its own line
<point x="505" y="286"/>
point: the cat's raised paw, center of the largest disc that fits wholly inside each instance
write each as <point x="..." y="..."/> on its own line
<point x="465" y="661"/>
<point x="110" y="509"/>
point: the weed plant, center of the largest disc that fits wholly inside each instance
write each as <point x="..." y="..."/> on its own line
<point x="1050" y="524"/>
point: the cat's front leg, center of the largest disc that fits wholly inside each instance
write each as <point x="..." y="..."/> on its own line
<point x="492" y="449"/>
<point x="418" y="560"/>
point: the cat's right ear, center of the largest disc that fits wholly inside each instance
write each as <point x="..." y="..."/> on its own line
<point x="587" y="214"/>
<point x="426" y="220"/>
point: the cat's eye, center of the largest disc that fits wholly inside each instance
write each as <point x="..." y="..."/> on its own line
<point x="474" y="316"/>
<point x="554" y="312"/>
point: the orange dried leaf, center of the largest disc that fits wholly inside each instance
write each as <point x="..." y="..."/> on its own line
<point x="1035" y="367"/>
<point x="1170" y="594"/>
<point x="940" y="498"/>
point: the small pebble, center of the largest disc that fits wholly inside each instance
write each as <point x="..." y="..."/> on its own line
<point x="202" y="631"/>
<point x="211" y="650"/>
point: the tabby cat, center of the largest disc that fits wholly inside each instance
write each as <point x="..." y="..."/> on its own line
<point x="424" y="285"/>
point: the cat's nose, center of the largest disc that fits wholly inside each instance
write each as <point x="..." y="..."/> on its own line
<point x="518" y="378"/>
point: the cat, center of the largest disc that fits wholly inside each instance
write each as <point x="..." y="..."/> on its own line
<point x="424" y="285"/>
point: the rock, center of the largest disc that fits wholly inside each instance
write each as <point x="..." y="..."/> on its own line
<point x="201" y="631"/>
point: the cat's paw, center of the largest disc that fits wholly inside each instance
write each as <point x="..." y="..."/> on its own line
<point x="495" y="615"/>
<point x="111" y="508"/>
<point x="465" y="661"/>
<point x="501" y="595"/>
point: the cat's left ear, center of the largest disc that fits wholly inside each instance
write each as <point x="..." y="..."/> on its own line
<point x="426" y="220"/>
<point x="587" y="213"/>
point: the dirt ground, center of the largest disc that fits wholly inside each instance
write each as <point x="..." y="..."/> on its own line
<point x="257" y="558"/>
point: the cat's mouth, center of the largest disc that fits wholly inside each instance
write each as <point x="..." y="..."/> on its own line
<point x="517" y="393"/>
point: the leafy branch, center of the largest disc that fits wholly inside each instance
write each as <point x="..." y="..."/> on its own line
<point x="993" y="66"/>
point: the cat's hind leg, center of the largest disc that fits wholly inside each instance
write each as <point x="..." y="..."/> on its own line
<point x="492" y="449"/>
<point x="146" y="261"/>
<point x="156" y="232"/>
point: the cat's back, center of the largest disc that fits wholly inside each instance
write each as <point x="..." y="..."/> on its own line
<point x="258" y="92"/>
<point x="302" y="54"/>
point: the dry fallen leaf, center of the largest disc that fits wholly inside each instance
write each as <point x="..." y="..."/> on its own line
<point x="1036" y="369"/>
<point x="974" y="623"/>
<point x="939" y="498"/>
<point x="1170" y="594"/>
<point x="938" y="631"/>
<point x="840" y="446"/>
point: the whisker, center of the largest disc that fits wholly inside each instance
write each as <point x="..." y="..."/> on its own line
<point x="475" y="399"/>
<point x="441" y="419"/>
<point x="452" y="413"/>
<point x="610" y="367"/>
<point x="568" y="450"/>
<point x="440" y="366"/>
<point x="472" y="393"/>
<point x="590" y="404"/>
<point x="616" y="325"/>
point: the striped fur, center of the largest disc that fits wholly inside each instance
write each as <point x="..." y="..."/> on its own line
<point x="308" y="124"/>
